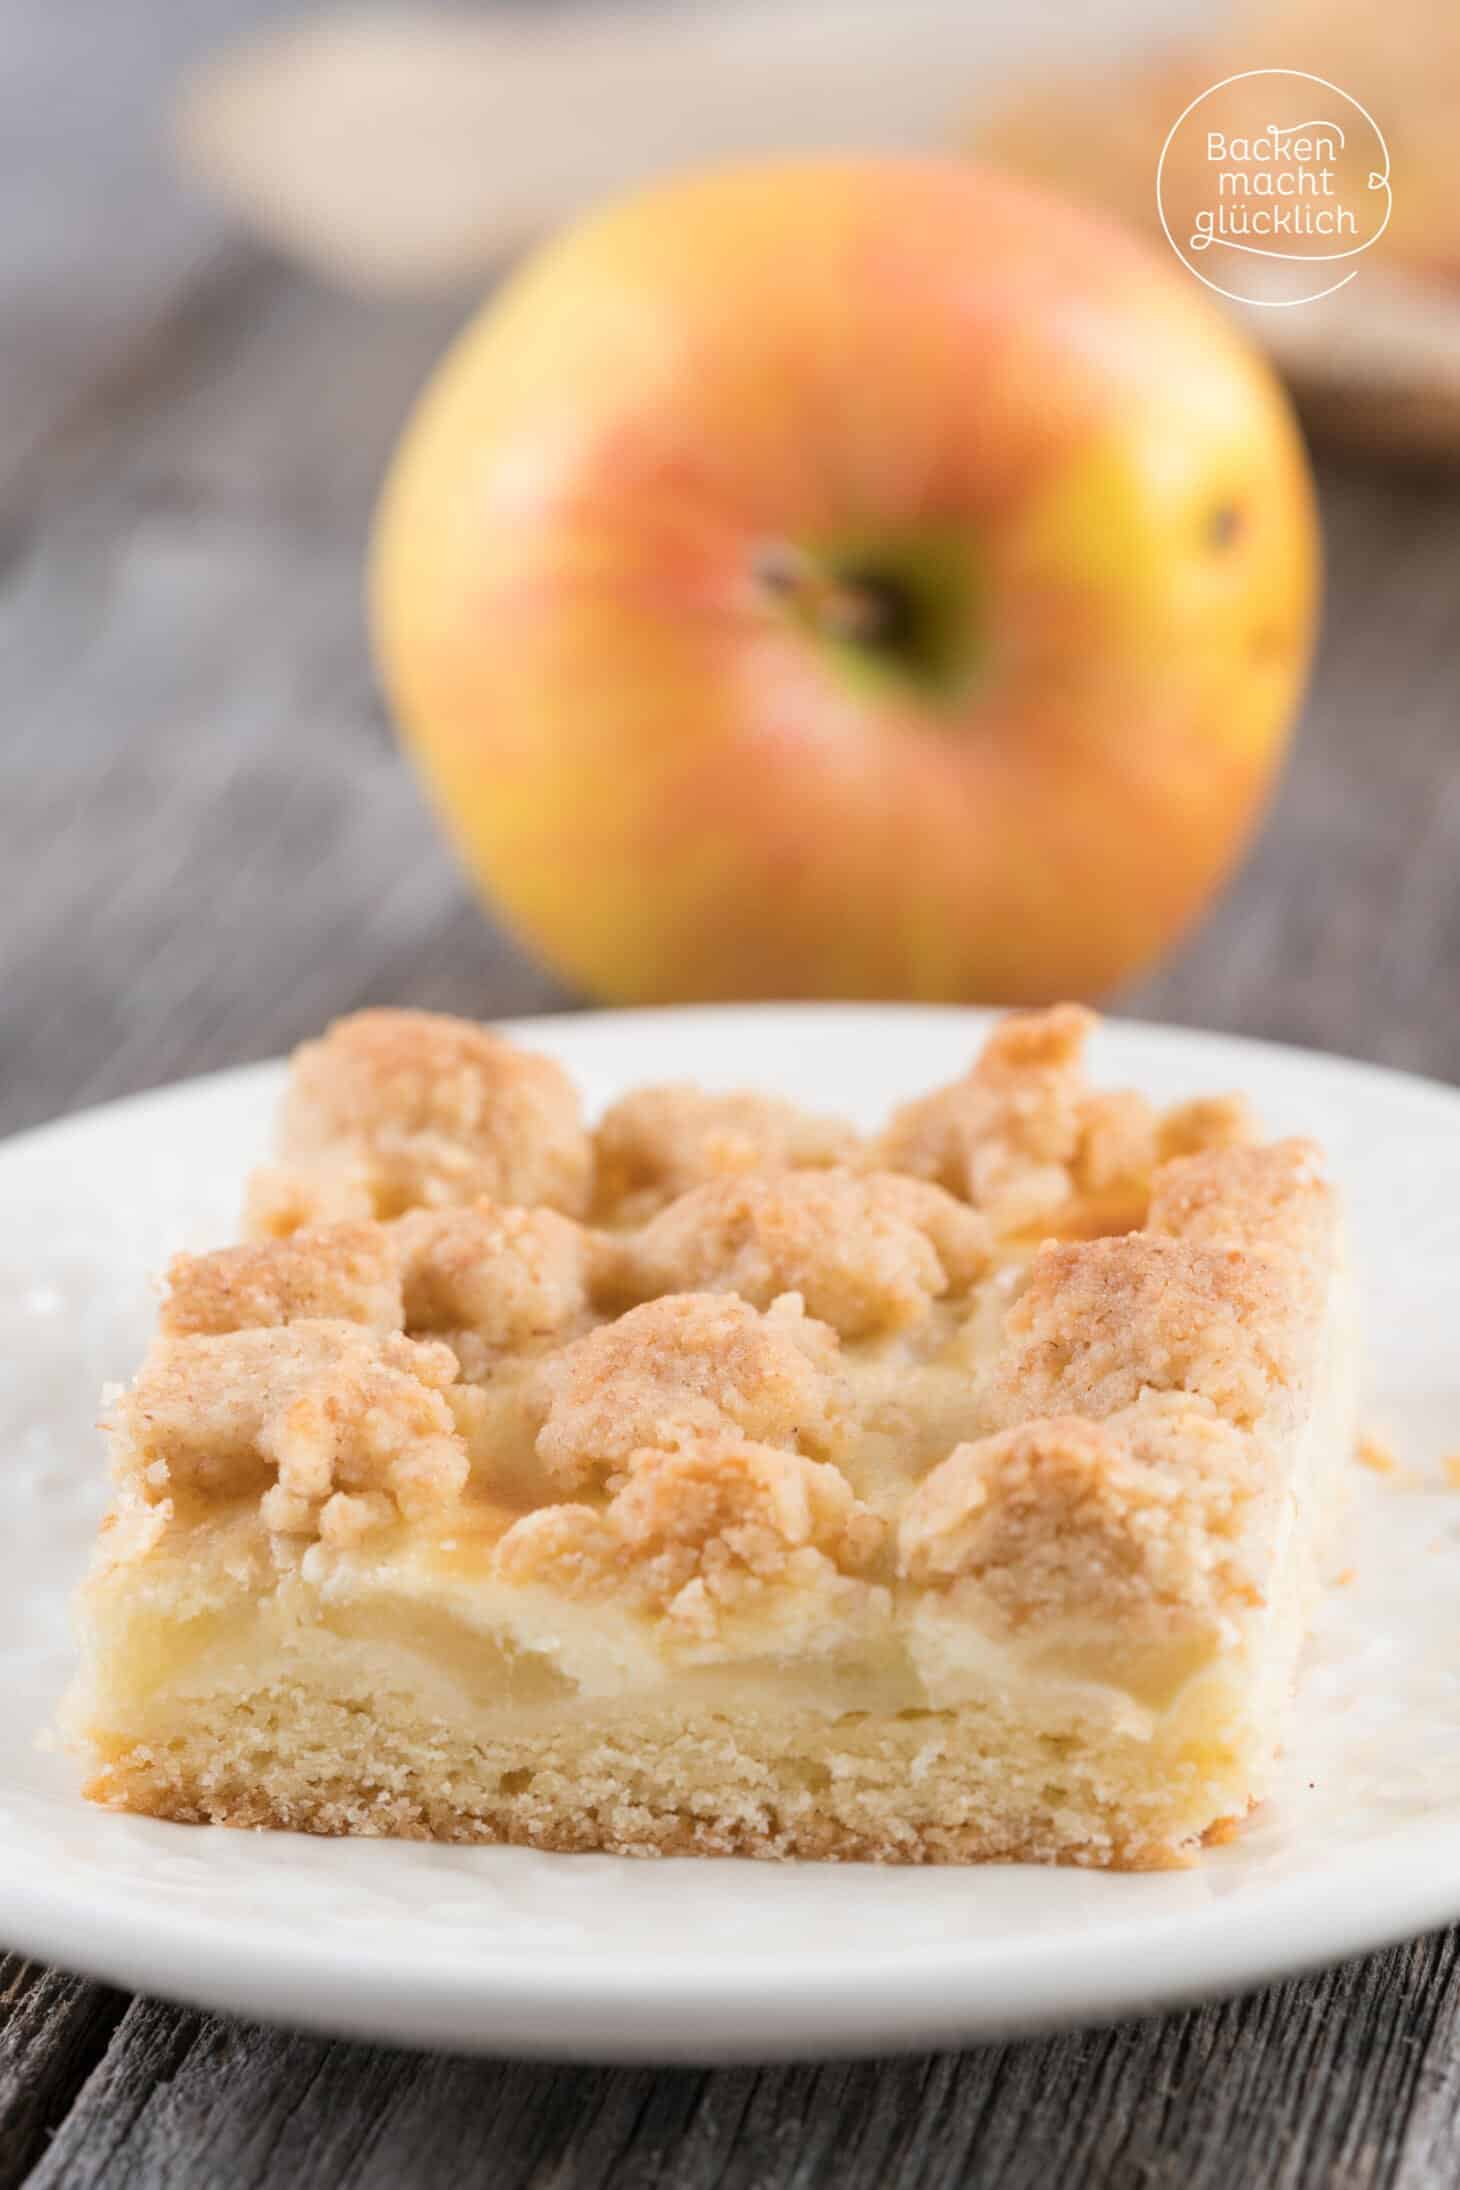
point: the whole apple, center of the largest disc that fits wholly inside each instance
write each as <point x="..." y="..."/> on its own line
<point x="848" y="578"/>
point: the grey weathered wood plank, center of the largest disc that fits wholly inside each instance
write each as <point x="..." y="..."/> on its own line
<point x="96" y="241"/>
<point x="53" y="2031"/>
<point x="1429" y="2142"/>
<point x="1336" y="2081"/>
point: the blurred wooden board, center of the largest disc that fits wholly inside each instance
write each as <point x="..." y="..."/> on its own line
<point x="399" y="148"/>
<point x="209" y="843"/>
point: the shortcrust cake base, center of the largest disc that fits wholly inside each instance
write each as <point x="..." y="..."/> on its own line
<point x="920" y="1786"/>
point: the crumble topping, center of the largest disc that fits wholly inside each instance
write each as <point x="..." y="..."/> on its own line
<point x="656" y="1143"/>
<point x="677" y="1370"/>
<point x="1273" y="1201"/>
<point x="1207" y="1121"/>
<point x="348" y="1273"/>
<point x="294" y="1415"/>
<point x="1115" y="1144"/>
<point x="865" y="1253"/>
<point x="698" y="1530"/>
<point x="281" y="1200"/>
<point x="1100" y="1321"/>
<point x="1021" y="1134"/>
<point x="367" y="1442"/>
<point x="1136" y="1519"/>
<point x="1024" y="1137"/>
<point x="510" y="1279"/>
<point x="696" y="1368"/>
<point x="392" y="1110"/>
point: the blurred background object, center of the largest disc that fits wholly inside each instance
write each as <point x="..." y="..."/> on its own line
<point x="1379" y="363"/>
<point x="211" y="842"/>
<point x="1094" y="129"/>
<point x="396" y="147"/>
<point x="848" y="577"/>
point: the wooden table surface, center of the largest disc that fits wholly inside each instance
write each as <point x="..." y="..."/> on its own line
<point x="209" y="844"/>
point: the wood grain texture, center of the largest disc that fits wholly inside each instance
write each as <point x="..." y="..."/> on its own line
<point x="53" y="2031"/>
<point x="208" y="844"/>
<point x="1345" y="2081"/>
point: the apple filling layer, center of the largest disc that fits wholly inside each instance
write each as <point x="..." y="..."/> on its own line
<point x="747" y="1485"/>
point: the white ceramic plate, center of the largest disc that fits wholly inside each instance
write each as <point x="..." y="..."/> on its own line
<point x="503" y="1949"/>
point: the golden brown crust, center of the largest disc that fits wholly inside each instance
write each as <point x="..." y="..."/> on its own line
<point x="1136" y="1522"/>
<point x="406" y="1109"/>
<point x="698" y="1532"/>
<point x="291" y="1415"/>
<point x="367" y="1442"/>
<point x="1272" y="1201"/>
<point x="347" y="1273"/>
<point x="507" y="1279"/>
<point x="1115" y="1147"/>
<point x="866" y="1253"/>
<point x="680" y="1369"/>
<point x="1003" y="1135"/>
<point x="281" y="1199"/>
<point x="779" y="1823"/>
<point x="513" y="1279"/>
<point x="1023" y="1137"/>
<point x="1102" y="1321"/>
<point x="656" y="1143"/>
<point x="1207" y="1121"/>
<point x="1024" y="1048"/>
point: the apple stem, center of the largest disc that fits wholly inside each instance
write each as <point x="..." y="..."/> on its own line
<point x="854" y="611"/>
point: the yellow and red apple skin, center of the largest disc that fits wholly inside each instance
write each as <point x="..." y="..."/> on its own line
<point x="673" y="788"/>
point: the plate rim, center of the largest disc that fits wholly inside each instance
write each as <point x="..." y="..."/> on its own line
<point x="547" y="2006"/>
<point x="559" y="2003"/>
<point x="533" y="1025"/>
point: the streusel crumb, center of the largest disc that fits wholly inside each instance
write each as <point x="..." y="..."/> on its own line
<point x="347" y="1272"/>
<point x="291" y="1415"/>
<point x="699" y="1528"/>
<point x="1115" y="1145"/>
<point x="1032" y="1044"/>
<point x="281" y="1199"/>
<point x="678" y="1370"/>
<point x="1003" y="1136"/>
<point x="866" y="1253"/>
<point x="1102" y="1321"/>
<point x="514" y="1279"/>
<point x="416" y="1110"/>
<point x="1023" y="1137"/>
<point x="658" y="1142"/>
<point x="1273" y="1201"/>
<point x="1207" y="1121"/>
<point x="377" y="1434"/>
<point x="1138" y="1519"/>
